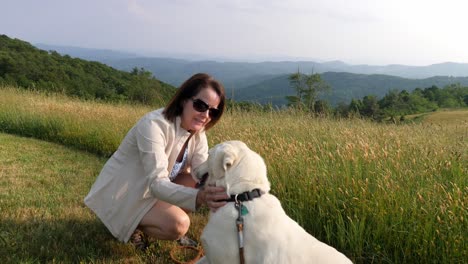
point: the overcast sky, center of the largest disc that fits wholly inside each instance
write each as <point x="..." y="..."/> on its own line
<point x="412" y="32"/>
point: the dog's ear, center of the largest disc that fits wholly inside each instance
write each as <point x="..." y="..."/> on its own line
<point x="229" y="157"/>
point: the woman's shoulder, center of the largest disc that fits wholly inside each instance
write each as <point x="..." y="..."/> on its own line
<point x="155" y="117"/>
<point x="155" y="114"/>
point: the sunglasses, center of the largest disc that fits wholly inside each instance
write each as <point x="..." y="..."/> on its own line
<point x="202" y="107"/>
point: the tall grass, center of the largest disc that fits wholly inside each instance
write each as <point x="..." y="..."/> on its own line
<point x="378" y="192"/>
<point x="91" y="126"/>
<point x="382" y="193"/>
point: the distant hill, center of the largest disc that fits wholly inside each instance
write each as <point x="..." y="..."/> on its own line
<point x="345" y="86"/>
<point x="175" y="71"/>
<point x="412" y="72"/>
<point x="243" y="74"/>
<point x="267" y="81"/>
<point x="240" y="74"/>
<point x="23" y="65"/>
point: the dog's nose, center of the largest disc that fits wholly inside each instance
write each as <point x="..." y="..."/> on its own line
<point x="202" y="181"/>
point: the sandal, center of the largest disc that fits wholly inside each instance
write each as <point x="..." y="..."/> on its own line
<point x="187" y="242"/>
<point x="139" y="239"/>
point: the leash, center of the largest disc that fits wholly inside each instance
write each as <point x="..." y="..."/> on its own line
<point x="238" y="199"/>
<point x="240" y="230"/>
<point x="242" y="210"/>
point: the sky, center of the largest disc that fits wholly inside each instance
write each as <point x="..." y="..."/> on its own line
<point x="376" y="32"/>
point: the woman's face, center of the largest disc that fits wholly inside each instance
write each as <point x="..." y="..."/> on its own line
<point x="193" y="120"/>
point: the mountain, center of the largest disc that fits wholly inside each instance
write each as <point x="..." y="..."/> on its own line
<point x="440" y="69"/>
<point x="344" y="87"/>
<point x="242" y="74"/>
<point x="267" y="81"/>
<point x="237" y="75"/>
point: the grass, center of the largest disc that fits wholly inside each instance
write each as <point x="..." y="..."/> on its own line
<point x="379" y="193"/>
<point x="448" y="117"/>
<point x="91" y="126"/>
<point x="445" y="116"/>
<point x="43" y="218"/>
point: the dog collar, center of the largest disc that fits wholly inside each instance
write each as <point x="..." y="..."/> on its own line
<point x="243" y="197"/>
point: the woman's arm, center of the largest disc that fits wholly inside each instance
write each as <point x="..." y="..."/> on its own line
<point x="151" y="138"/>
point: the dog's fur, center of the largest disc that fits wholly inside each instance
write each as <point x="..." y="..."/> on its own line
<point x="270" y="236"/>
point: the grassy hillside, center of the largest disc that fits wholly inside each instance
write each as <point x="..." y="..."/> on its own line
<point x="378" y="192"/>
<point x="91" y="126"/>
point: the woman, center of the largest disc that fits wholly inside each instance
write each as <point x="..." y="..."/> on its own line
<point x="147" y="184"/>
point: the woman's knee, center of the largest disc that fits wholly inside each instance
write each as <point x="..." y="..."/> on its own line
<point x="179" y="226"/>
<point x="165" y="221"/>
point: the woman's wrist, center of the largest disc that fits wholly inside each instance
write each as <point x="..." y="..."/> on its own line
<point x="201" y="198"/>
<point x="211" y="196"/>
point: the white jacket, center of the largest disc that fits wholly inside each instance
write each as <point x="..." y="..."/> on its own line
<point x="136" y="175"/>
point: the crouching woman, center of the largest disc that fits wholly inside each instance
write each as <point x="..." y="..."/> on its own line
<point x="146" y="187"/>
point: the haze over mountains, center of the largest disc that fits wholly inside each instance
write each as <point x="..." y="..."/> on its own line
<point x="267" y="81"/>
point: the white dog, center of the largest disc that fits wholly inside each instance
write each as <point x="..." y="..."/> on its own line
<point x="269" y="235"/>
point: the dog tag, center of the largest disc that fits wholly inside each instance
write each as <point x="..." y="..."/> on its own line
<point x="244" y="210"/>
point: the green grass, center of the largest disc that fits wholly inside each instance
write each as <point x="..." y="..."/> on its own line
<point x="91" y="126"/>
<point x="379" y="193"/>
<point x="43" y="218"/>
<point x="42" y="213"/>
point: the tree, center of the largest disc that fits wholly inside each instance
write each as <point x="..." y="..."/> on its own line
<point x="307" y="88"/>
<point x="297" y="83"/>
<point x="404" y="96"/>
<point x="322" y="107"/>
<point x="369" y="106"/>
<point x="341" y="109"/>
<point x="293" y="101"/>
<point x="431" y="93"/>
<point x="355" y="106"/>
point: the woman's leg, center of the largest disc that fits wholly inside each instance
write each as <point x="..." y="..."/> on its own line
<point x="166" y="221"/>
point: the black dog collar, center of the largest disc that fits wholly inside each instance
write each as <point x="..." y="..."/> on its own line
<point x="243" y="197"/>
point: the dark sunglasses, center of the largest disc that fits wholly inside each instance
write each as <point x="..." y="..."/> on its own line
<point x="202" y="107"/>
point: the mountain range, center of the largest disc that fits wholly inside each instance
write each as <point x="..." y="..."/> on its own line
<point x="345" y="86"/>
<point x="267" y="81"/>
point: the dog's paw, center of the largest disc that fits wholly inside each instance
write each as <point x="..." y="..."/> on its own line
<point x="203" y="260"/>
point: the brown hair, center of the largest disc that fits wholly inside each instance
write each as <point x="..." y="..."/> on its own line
<point x="191" y="88"/>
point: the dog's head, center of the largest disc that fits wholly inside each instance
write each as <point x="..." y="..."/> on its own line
<point x="235" y="167"/>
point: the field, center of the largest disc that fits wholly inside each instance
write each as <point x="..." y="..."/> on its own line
<point x="380" y="193"/>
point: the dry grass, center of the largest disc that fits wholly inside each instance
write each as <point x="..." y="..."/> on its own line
<point x="378" y="192"/>
<point x="448" y="117"/>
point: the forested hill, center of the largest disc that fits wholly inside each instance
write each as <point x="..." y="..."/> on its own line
<point x="26" y="66"/>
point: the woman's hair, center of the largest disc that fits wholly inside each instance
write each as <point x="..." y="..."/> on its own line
<point x="191" y="88"/>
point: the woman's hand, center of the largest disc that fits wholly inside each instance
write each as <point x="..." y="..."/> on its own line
<point x="210" y="195"/>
